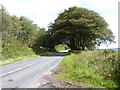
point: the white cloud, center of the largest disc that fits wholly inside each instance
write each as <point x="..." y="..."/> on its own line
<point x="43" y="9"/>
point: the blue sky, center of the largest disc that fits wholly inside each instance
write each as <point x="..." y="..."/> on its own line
<point x="42" y="12"/>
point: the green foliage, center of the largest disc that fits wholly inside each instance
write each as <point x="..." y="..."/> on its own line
<point x="93" y="69"/>
<point x="20" y="36"/>
<point x="42" y="51"/>
<point x="13" y="60"/>
<point x="44" y="39"/>
<point x="61" y="47"/>
<point x="14" y="48"/>
<point x="27" y="32"/>
<point x="5" y="21"/>
<point x="82" y="28"/>
<point x="20" y="27"/>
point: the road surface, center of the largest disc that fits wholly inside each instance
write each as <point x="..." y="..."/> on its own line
<point x="26" y="74"/>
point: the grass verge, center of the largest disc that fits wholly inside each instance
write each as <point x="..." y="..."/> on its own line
<point x="92" y="69"/>
<point x="36" y="53"/>
<point x="14" y="60"/>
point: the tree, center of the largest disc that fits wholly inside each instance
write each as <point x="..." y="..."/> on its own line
<point x="5" y="21"/>
<point x="18" y="27"/>
<point x="27" y="32"/>
<point x="82" y="28"/>
<point x="43" y="39"/>
<point x="15" y="26"/>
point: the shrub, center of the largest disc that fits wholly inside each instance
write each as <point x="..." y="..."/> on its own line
<point x="96" y="69"/>
<point x="14" y="48"/>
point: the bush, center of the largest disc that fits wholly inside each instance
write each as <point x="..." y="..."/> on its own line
<point x="14" y="48"/>
<point x="96" y="69"/>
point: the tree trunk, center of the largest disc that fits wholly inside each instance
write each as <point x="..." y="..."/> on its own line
<point x="83" y="48"/>
<point x="72" y="43"/>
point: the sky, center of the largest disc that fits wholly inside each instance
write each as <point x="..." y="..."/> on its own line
<point x="42" y="12"/>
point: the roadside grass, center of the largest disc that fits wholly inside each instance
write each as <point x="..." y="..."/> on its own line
<point x="11" y="54"/>
<point x="91" y="69"/>
<point x="13" y="51"/>
<point x="39" y="52"/>
<point x="14" y="60"/>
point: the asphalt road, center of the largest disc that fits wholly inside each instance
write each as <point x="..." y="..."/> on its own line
<point x="26" y="74"/>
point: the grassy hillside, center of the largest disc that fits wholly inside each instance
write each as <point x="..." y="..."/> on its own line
<point x="92" y="69"/>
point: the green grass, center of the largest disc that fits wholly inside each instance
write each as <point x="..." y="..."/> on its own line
<point x="91" y="69"/>
<point x="13" y="48"/>
<point x="39" y="52"/>
<point x="14" y="60"/>
<point x="13" y="51"/>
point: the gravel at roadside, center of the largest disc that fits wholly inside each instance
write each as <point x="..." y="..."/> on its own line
<point x="49" y="81"/>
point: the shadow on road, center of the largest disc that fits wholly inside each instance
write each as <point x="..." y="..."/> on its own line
<point x="57" y="54"/>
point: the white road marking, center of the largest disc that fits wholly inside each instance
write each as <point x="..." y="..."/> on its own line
<point x="15" y="70"/>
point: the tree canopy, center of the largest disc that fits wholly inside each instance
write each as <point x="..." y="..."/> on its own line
<point x="24" y="30"/>
<point x="80" y="28"/>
